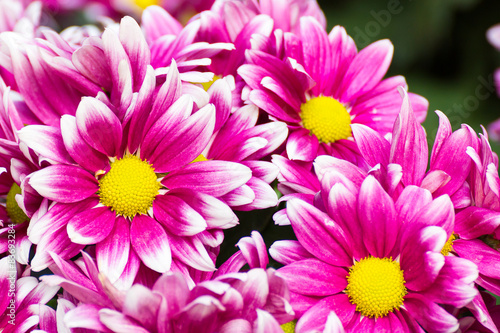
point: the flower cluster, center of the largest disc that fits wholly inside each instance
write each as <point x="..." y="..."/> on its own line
<point x="128" y="154"/>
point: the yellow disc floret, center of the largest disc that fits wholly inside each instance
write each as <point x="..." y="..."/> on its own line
<point x="289" y="327"/>
<point x="448" y="247"/>
<point x="326" y="118"/>
<point x="129" y="187"/>
<point x="143" y="4"/>
<point x="376" y="286"/>
<point x="200" y="158"/>
<point x="15" y="213"/>
<point x="207" y="85"/>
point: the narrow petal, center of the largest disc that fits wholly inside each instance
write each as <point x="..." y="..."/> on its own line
<point x="150" y="242"/>
<point x="91" y="226"/>
<point x="408" y="132"/>
<point x="118" y="322"/>
<point x="178" y="216"/>
<point x="80" y="151"/>
<point x="112" y="253"/>
<point x="47" y="142"/>
<point x="212" y="177"/>
<point x="64" y="183"/>
<point x="99" y="126"/>
<point x="430" y="315"/>
<point x="367" y="69"/>
<point x="85" y="316"/>
<point x="377" y="217"/>
<point x="313" y="227"/>
<point x="301" y="145"/>
<point x="313" y="277"/>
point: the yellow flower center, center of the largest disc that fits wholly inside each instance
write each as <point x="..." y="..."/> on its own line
<point x="200" y="158"/>
<point x="129" y="187"/>
<point x="326" y="118"/>
<point x="207" y="85"/>
<point x="143" y="4"/>
<point x="448" y="247"/>
<point x="15" y="213"/>
<point x="376" y="286"/>
<point x="289" y="327"/>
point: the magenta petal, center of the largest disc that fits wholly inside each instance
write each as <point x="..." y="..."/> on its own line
<point x="85" y="316"/>
<point x="64" y="183"/>
<point x="377" y="217"/>
<point x="418" y="197"/>
<point x="212" y="177"/>
<point x="192" y="252"/>
<point x="313" y="227"/>
<point x="373" y="146"/>
<point x="46" y="142"/>
<point x="118" y="322"/>
<point x="408" y="132"/>
<point x="99" y="126"/>
<point x="150" y="242"/>
<point x="367" y="69"/>
<point x="313" y="277"/>
<point x="142" y="304"/>
<point x="473" y="222"/>
<point x="266" y="323"/>
<point x="112" y="253"/>
<point x="421" y="259"/>
<point x="137" y="49"/>
<point x="429" y="315"/>
<point x="315" y="318"/>
<point x="486" y="258"/>
<point x="215" y="212"/>
<point x="302" y="145"/>
<point x="185" y="141"/>
<point x="79" y="150"/>
<point x="287" y="252"/>
<point x="178" y="216"/>
<point x="91" y="226"/>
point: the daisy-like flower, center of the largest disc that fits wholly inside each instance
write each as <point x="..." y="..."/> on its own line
<point x="221" y="302"/>
<point x="130" y="188"/>
<point x="405" y="159"/>
<point x="319" y="84"/>
<point x="23" y="301"/>
<point x="379" y="265"/>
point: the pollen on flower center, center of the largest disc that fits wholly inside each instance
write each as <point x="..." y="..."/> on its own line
<point x="448" y="246"/>
<point x="129" y="187"/>
<point x="289" y="327"/>
<point x="376" y="286"/>
<point x="15" y="213"/>
<point x="326" y="118"/>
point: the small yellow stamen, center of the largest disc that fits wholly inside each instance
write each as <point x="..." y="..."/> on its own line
<point x="448" y="246"/>
<point x="326" y="118"/>
<point x="289" y="327"/>
<point x="16" y="214"/>
<point x="376" y="286"/>
<point x="129" y="187"/>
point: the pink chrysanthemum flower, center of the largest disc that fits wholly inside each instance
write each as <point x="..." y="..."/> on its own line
<point x="23" y="301"/>
<point x="130" y="188"/>
<point x="379" y="265"/>
<point x="223" y="301"/>
<point x="319" y="84"/>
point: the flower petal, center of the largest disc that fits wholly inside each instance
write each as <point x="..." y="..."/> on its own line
<point x="64" y="183"/>
<point x="151" y="244"/>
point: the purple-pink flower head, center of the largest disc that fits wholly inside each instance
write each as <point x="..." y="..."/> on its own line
<point x="320" y="84"/>
<point x="131" y="187"/>
<point x="380" y="264"/>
